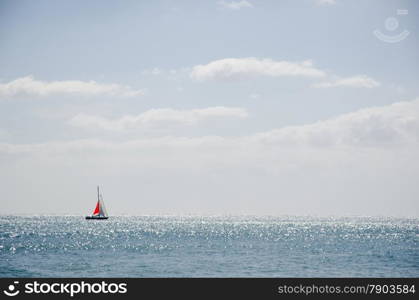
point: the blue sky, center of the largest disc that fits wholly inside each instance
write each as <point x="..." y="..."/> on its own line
<point x="257" y="107"/>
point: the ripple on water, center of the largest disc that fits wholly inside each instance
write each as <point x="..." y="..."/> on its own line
<point x="208" y="246"/>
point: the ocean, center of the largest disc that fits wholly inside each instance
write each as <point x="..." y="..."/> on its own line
<point x="204" y="246"/>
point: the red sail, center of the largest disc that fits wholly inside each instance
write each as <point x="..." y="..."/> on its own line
<point x="96" y="212"/>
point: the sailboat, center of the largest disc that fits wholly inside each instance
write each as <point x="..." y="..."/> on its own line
<point x="100" y="211"/>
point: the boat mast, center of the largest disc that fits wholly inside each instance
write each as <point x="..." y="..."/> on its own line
<point x="98" y="193"/>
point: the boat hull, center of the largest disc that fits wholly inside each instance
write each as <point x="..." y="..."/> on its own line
<point x="96" y="218"/>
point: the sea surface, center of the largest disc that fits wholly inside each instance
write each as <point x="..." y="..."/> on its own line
<point x="219" y="246"/>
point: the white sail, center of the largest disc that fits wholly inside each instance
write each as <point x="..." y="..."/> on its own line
<point x="102" y="207"/>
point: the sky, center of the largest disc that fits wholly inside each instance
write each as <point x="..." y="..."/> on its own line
<point x="264" y="107"/>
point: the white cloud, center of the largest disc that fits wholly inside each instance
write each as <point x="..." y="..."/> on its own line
<point x="326" y="2"/>
<point x="158" y="118"/>
<point x="235" y="5"/>
<point x="359" y="81"/>
<point x="28" y="86"/>
<point x="230" y="68"/>
<point x="361" y="163"/>
<point x="365" y="133"/>
<point x="239" y="68"/>
<point x="392" y="125"/>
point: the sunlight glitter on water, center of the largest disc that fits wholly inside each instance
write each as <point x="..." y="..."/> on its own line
<point x="179" y="246"/>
